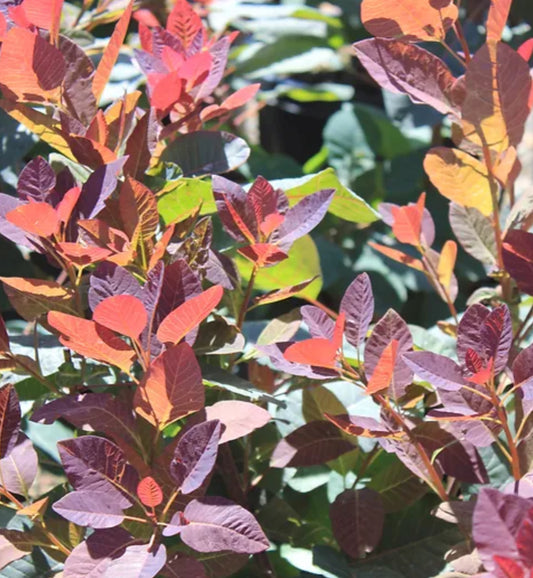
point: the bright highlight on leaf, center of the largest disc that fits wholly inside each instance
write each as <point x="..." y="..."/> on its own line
<point x="38" y="219"/>
<point x="188" y="315"/>
<point x="447" y="263"/>
<point x="382" y="375"/>
<point x="407" y="224"/>
<point x="122" y="313"/>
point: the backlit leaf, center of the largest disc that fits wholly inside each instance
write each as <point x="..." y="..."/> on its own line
<point x="460" y="177"/>
<point x="446" y="264"/>
<point x="124" y="314"/>
<point x="497" y="18"/>
<point x="408" y="19"/>
<point x="172" y="387"/>
<point x="44" y="13"/>
<point x="357" y="518"/>
<point x="110" y="55"/>
<point x="38" y="219"/>
<point x="407" y="222"/>
<point x="496" y="106"/>
<point x="138" y="210"/>
<point x="384" y="370"/>
<point x="91" y="340"/>
<point x="408" y="69"/>
<point x="149" y="492"/>
<point x="188" y="315"/>
<point x="184" y="23"/>
<point x="475" y="233"/>
<point x="398" y="256"/>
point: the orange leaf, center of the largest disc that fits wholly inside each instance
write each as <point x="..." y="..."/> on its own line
<point x="90" y="339"/>
<point x="35" y="218"/>
<point x="497" y="18"/>
<point x="446" y="264"/>
<point x="409" y="19"/>
<point x="68" y="202"/>
<point x="398" y="256"/>
<point x="188" y="315"/>
<point x="171" y="388"/>
<point x="407" y="224"/>
<point x="110" y="55"/>
<point x="382" y="376"/>
<point x="124" y="314"/>
<point x="83" y="256"/>
<point x="460" y="177"/>
<point x="263" y="254"/>
<point x="43" y="13"/>
<point x="150" y="492"/>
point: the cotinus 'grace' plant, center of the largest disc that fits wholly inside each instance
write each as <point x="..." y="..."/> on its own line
<point x="179" y="396"/>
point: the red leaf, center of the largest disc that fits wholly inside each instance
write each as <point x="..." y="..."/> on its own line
<point x="188" y="315"/>
<point x="172" y="387"/>
<point x="66" y="205"/>
<point x="497" y="18"/>
<point x="43" y="13"/>
<point x="184" y="23"/>
<point x="39" y="219"/>
<point x="318" y="352"/>
<point x="384" y="371"/>
<point x="166" y="91"/>
<point x="149" y="492"/>
<point x="407" y="224"/>
<point x="91" y="340"/>
<point x="509" y="567"/>
<point x="124" y="314"/>
<point x="111" y="52"/>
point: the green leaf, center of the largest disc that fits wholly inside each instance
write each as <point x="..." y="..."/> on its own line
<point x="346" y="204"/>
<point x="207" y="152"/>
<point x="180" y="198"/>
<point x="319" y="400"/>
<point x="303" y="263"/>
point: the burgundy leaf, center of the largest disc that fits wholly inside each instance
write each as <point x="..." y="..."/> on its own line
<point x="314" y="443"/>
<point x="216" y="524"/>
<point x="195" y="455"/>
<point x="523" y="371"/>
<point x="9" y="419"/>
<point x="438" y="370"/>
<point x="358" y="305"/>
<point x="181" y="566"/>
<point x="469" y="328"/>
<point x="357" y="518"/>
<point x="390" y="327"/>
<point x="36" y="180"/>
<point x="497" y="336"/>
<point x="240" y="418"/>
<point x="234" y="210"/>
<point x="95" y="509"/>
<point x="497" y="519"/>
<point x="319" y="323"/>
<point x="304" y="217"/>
<point x="92" y="557"/>
<point x="517" y="251"/>
<point x="4" y="337"/>
<point x="19" y="468"/>
<point x="108" y="280"/>
<point x="408" y="69"/>
<point x="98" y="187"/>
<point x="96" y="464"/>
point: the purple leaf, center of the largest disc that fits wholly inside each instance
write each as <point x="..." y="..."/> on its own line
<point x="468" y="330"/>
<point x="438" y="370"/>
<point x="77" y="86"/>
<point x="314" y="443"/>
<point x="239" y="418"/>
<point x="149" y="63"/>
<point x="19" y="468"/>
<point x="9" y="419"/>
<point x="7" y="229"/>
<point x="234" y="210"/>
<point x="523" y="371"/>
<point x="36" y="180"/>
<point x="303" y="217"/>
<point x="358" y="305"/>
<point x="97" y="510"/>
<point x="99" y="186"/>
<point x="318" y="322"/>
<point x="221" y="270"/>
<point x="216" y="524"/>
<point x="109" y="280"/>
<point x="497" y="519"/>
<point x="96" y="464"/>
<point x="517" y="250"/>
<point x="101" y="411"/>
<point x="390" y="326"/>
<point x="195" y="455"/>
<point x="497" y="336"/>
<point x="357" y="518"/>
<point x="181" y="566"/>
<point x="92" y="558"/>
<point x="408" y="69"/>
<point x="219" y="52"/>
<point x="139" y="561"/>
